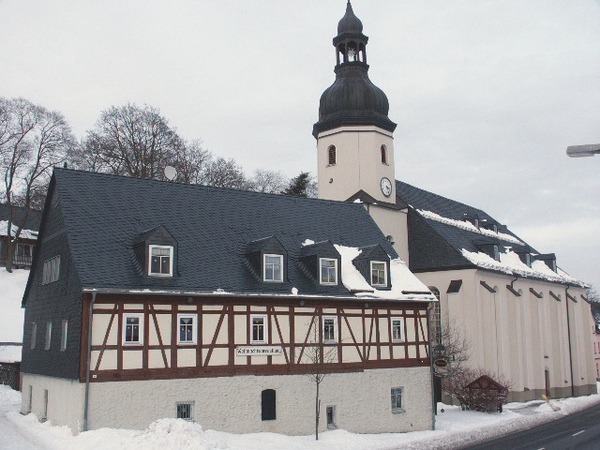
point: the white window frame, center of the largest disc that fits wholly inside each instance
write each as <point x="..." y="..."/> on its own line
<point x="64" y="335"/>
<point x="51" y="270"/>
<point x="273" y="280"/>
<point x="159" y="274"/>
<point x="393" y="398"/>
<point x="48" y="339"/>
<point x="385" y="280"/>
<point x="265" y="326"/>
<point x="194" y="339"/>
<point x="140" y="318"/>
<point x="333" y="339"/>
<point x="399" y="320"/>
<point x="335" y="268"/>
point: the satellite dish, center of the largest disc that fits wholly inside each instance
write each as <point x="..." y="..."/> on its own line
<point x="170" y="173"/>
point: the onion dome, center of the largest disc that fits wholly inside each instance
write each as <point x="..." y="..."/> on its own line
<point x="352" y="99"/>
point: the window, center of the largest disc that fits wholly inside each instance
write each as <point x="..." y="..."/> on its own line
<point x="397" y="400"/>
<point x="63" y="335"/>
<point x="48" y="335"/>
<point x="330" y="412"/>
<point x="331" y="155"/>
<point x="378" y="273"/>
<point x="51" y="270"/>
<point x="268" y="404"/>
<point x="329" y="329"/>
<point x="328" y="271"/>
<point x="185" y="411"/>
<point x="259" y="329"/>
<point x="161" y="260"/>
<point x="23" y="253"/>
<point x="397" y="329"/>
<point x="33" y="335"/>
<point x="384" y="159"/>
<point x="133" y="329"/>
<point x="187" y="328"/>
<point x="273" y="268"/>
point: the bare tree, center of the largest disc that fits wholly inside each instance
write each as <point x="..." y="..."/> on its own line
<point x="131" y="140"/>
<point x="268" y="181"/>
<point x="452" y="350"/>
<point x="318" y="355"/>
<point x="226" y="173"/>
<point x="32" y="141"/>
<point x="192" y="162"/>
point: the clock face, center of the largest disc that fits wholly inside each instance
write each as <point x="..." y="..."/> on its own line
<point x="386" y="186"/>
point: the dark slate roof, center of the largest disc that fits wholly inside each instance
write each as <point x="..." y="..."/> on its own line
<point x="448" y="239"/>
<point x="32" y="222"/>
<point x="106" y="214"/>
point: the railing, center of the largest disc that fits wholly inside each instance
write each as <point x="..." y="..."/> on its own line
<point x="22" y="261"/>
<point x="10" y="372"/>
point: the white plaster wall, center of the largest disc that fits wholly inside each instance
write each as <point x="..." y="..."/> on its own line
<point x="362" y="402"/>
<point x="65" y="400"/>
<point x="393" y="223"/>
<point x="358" y="163"/>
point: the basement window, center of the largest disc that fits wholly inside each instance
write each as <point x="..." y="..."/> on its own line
<point x="396" y="397"/>
<point x="185" y="411"/>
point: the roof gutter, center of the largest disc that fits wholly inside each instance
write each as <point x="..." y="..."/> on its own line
<point x="424" y="296"/>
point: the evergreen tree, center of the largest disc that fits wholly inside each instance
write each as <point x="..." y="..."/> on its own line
<point x="299" y="186"/>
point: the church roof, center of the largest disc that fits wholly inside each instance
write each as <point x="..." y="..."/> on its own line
<point x="446" y="234"/>
<point x="214" y="230"/>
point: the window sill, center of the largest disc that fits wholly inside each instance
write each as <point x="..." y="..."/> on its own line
<point x="398" y="411"/>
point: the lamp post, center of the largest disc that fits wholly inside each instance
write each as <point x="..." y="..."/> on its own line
<point x="576" y="151"/>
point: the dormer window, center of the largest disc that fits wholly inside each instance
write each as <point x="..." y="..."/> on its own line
<point x="328" y="271"/>
<point x="378" y="273"/>
<point x="331" y="155"/>
<point x="161" y="261"/>
<point x="273" y="268"/>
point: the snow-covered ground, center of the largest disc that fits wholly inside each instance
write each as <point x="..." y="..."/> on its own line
<point x="453" y="429"/>
<point x="12" y="286"/>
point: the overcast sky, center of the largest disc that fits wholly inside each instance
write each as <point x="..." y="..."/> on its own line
<point x="487" y="94"/>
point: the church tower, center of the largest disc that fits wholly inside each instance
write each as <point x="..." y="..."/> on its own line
<point x="354" y="134"/>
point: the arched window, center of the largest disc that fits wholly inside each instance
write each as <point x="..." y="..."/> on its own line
<point x="332" y="155"/>
<point x="384" y="158"/>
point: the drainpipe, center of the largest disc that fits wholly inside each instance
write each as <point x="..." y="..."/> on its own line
<point x="569" y="339"/>
<point x="432" y="372"/>
<point x="86" y="402"/>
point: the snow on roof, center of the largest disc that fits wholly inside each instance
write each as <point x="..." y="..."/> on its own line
<point x="11" y="319"/>
<point x="405" y="285"/>
<point x="25" y="233"/>
<point x="468" y="226"/>
<point x="510" y="263"/>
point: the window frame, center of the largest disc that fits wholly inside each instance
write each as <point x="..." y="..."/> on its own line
<point x="335" y="269"/>
<point x="33" y="335"/>
<point x="190" y="405"/>
<point x="402" y="337"/>
<point x="384" y="154"/>
<point x="333" y="340"/>
<point x="395" y="393"/>
<point x="265" y="328"/>
<point x="64" y="334"/>
<point x="385" y="275"/>
<point x="194" y="318"/>
<point x="48" y="336"/>
<point x="51" y="270"/>
<point x="140" y="317"/>
<point x="171" y="249"/>
<point x="280" y="258"/>
<point x="331" y="155"/>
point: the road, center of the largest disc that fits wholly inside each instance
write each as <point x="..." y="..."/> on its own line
<point x="578" y="431"/>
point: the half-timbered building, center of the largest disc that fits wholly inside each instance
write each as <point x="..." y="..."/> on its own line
<point x="153" y="299"/>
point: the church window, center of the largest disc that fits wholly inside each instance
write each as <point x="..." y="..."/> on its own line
<point x="331" y="155"/>
<point x="384" y="156"/>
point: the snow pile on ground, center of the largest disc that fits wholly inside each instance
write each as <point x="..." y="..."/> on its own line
<point x="454" y="428"/>
<point x="12" y="286"/>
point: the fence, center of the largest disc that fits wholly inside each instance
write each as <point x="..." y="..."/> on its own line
<point x="10" y="372"/>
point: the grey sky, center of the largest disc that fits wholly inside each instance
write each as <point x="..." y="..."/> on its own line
<point x="487" y="94"/>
